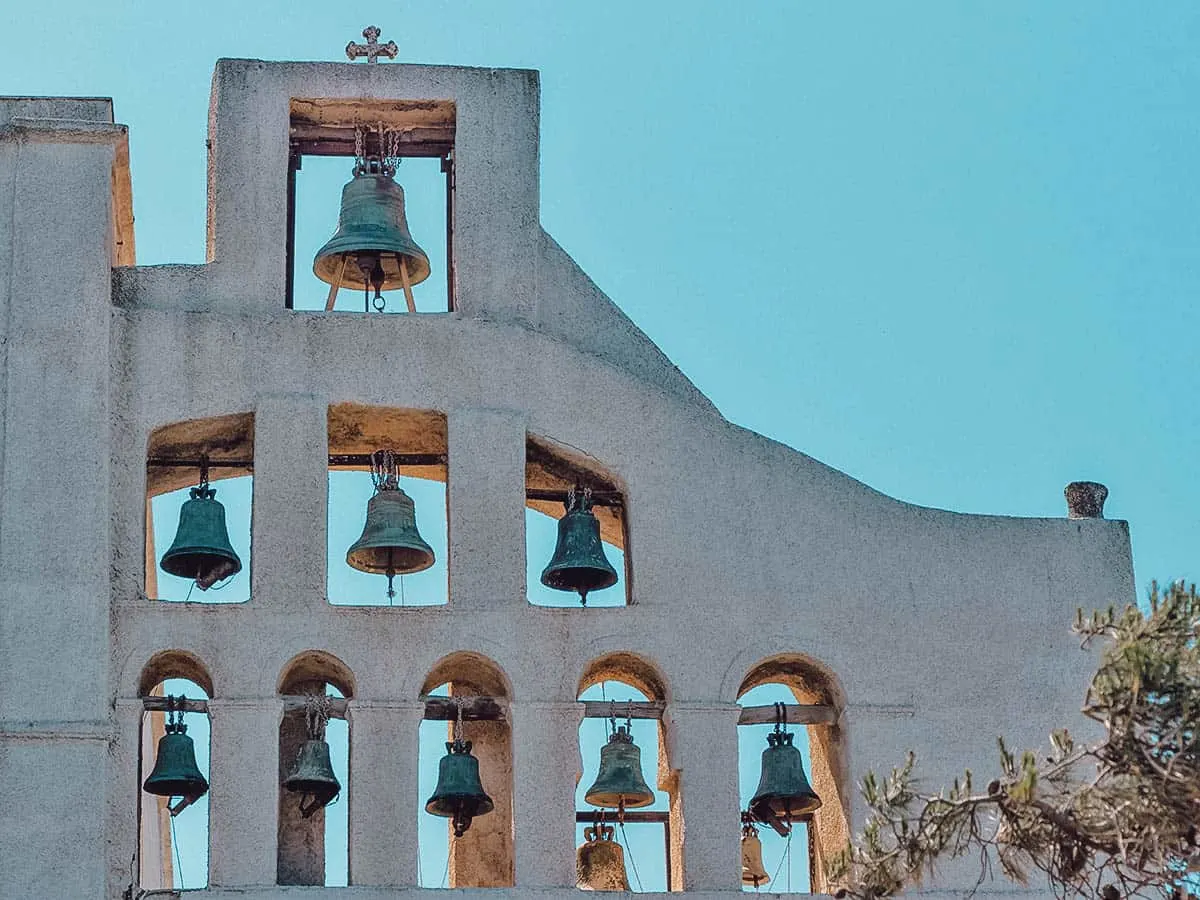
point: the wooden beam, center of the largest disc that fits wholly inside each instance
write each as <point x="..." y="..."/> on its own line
<point x="632" y="816"/>
<point x="797" y="714"/>
<point x="474" y="709"/>
<point x="159" y="704"/>
<point x="602" y="709"/>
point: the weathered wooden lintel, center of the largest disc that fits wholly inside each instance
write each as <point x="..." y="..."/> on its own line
<point x="487" y="709"/>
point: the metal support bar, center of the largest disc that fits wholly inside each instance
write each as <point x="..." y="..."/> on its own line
<point x="336" y="460"/>
<point x="599" y="498"/>
<point x="632" y="816"/>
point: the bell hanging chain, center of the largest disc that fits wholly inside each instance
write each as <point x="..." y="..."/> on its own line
<point x="316" y="715"/>
<point x="385" y="471"/>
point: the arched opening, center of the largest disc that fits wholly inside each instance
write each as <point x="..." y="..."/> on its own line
<point x="623" y="692"/>
<point x="313" y="780"/>
<point x="417" y="439"/>
<point x="185" y="460"/>
<point x="812" y="704"/>
<point x="483" y="855"/>
<point x="557" y="481"/>
<point x="173" y="830"/>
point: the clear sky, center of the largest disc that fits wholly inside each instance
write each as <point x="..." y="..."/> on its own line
<point x="958" y="248"/>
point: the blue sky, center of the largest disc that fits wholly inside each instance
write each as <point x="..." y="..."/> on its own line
<point x="958" y="243"/>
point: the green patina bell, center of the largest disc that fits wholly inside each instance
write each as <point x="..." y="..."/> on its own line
<point x="783" y="790"/>
<point x="459" y="795"/>
<point x="312" y="778"/>
<point x="619" y="783"/>
<point x="390" y="543"/>
<point x="175" y="771"/>
<point x="372" y="239"/>
<point x="201" y="549"/>
<point x="579" y="563"/>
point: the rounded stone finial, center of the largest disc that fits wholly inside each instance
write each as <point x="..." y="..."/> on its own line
<point x="1085" y="499"/>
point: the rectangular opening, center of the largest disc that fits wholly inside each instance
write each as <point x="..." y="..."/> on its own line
<point x="326" y="136"/>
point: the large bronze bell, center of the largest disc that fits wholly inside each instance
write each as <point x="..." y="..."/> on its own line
<point x="175" y="772"/>
<point x="312" y="778"/>
<point x="753" y="872"/>
<point x="390" y="542"/>
<point x="459" y="795"/>
<point x="619" y="783"/>
<point x="600" y="862"/>
<point x="784" y="793"/>
<point x="372" y="241"/>
<point x="201" y="549"/>
<point x="579" y="563"/>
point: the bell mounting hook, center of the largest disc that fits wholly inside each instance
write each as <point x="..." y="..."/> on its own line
<point x="202" y="491"/>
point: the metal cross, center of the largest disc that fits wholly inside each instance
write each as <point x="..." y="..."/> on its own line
<point x="372" y="49"/>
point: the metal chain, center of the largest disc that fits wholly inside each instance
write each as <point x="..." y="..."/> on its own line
<point x="385" y="472"/>
<point x="360" y="158"/>
<point x="316" y="715"/>
<point x="458" y="719"/>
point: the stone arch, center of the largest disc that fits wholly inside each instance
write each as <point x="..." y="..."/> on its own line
<point x="156" y="852"/>
<point x="300" y="855"/>
<point x="174" y="664"/>
<point x="484" y="856"/>
<point x="643" y="674"/>
<point x="468" y="673"/>
<point x="632" y="668"/>
<point x="316" y="665"/>
<point x="813" y="682"/>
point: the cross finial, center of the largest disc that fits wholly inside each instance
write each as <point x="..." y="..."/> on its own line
<point x="372" y="48"/>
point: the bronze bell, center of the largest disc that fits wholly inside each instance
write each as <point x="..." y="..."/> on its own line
<point x="372" y="242"/>
<point x="784" y="793"/>
<point x="175" y="772"/>
<point x="579" y="563"/>
<point x="312" y="778"/>
<point x="390" y="542"/>
<point x="459" y="795"/>
<point x="201" y="549"/>
<point x="600" y="862"/>
<point x="753" y="872"/>
<point x="619" y="783"/>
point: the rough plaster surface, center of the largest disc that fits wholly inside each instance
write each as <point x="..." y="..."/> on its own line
<point x="941" y="630"/>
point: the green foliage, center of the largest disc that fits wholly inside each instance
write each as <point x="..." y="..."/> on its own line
<point x="1114" y="818"/>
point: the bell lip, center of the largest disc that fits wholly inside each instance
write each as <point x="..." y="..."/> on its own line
<point x="610" y="578"/>
<point x="326" y="264"/>
<point x="168" y="562"/>
<point x="485" y="804"/>
<point x="195" y="790"/>
<point x="382" y="570"/>
<point x="781" y="803"/>
<point x="593" y="798"/>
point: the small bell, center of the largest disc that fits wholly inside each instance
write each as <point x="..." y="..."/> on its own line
<point x="619" y="783"/>
<point x="312" y="778"/>
<point x="753" y="872"/>
<point x="784" y="793"/>
<point x="372" y="247"/>
<point x="175" y="772"/>
<point x="459" y="795"/>
<point x="201" y="549"/>
<point x="579" y="563"/>
<point x="600" y="862"/>
<point x="390" y="543"/>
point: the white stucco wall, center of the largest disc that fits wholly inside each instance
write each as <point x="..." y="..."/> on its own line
<point x="943" y="630"/>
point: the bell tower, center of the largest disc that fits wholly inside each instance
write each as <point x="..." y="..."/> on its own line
<point x="742" y="569"/>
